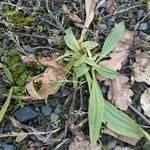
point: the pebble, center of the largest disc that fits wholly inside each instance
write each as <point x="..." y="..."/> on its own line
<point x="143" y="26"/>
<point x="46" y="110"/>
<point x="57" y="110"/>
<point x="48" y="127"/>
<point x="27" y="48"/>
<point x="140" y="14"/>
<point x="7" y="147"/>
<point x="54" y="117"/>
<point x="25" y="114"/>
<point x="103" y="26"/>
<point x="8" y="127"/>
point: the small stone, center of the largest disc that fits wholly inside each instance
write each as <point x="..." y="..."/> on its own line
<point x="8" y="127"/>
<point x="48" y="127"/>
<point x="54" y="117"/>
<point x="25" y="114"/>
<point x="143" y="26"/>
<point x="46" y="110"/>
<point x="140" y="14"/>
<point x="57" y="110"/>
<point x="8" y="147"/>
<point x="103" y="26"/>
<point x="27" y="48"/>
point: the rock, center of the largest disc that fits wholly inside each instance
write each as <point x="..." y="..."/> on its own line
<point x="140" y="14"/>
<point x="25" y="114"/>
<point x="8" y="127"/>
<point x="54" y="117"/>
<point x="27" y="48"/>
<point x="48" y="127"/>
<point x="57" y="111"/>
<point x="8" y="147"/>
<point x="46" y="110"/>
<point x="103" y="26"/>
<point x="143" y="26"/>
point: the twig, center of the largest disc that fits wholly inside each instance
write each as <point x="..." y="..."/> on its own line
<point x="123" y="10"/>
<point x="142" y="116"/>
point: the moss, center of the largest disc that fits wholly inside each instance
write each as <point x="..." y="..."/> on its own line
<point x="39" y="28"/>
<point x="21" y="72"/>
<point x="15" y="17"/>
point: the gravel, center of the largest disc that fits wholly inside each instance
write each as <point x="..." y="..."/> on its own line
<point x="25" y="114"/>
<point x="143" y="26"/>
<point x="46" y="110"/>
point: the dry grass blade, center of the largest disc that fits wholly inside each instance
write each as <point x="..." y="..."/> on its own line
<point x="90" y="8"/>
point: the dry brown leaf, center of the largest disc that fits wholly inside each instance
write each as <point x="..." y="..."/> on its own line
<point x="145" y="102"/>
<point x="53" y="72"/>
<point x="119" y="92"/>
<point x="73" y="17"/>
<point x="141" y="68"/>
<point x="90" y="9"/>
<point x="82" y="144"/>
<point x="122" y="148"/>
<point x="126" y="139"/>
<point x="110" y="6"/>
<point x="28" y="58"/>
<point x="120" y="53"/>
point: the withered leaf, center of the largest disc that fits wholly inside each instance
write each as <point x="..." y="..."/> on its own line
<point x="73" y="17"/>
<point x="141" y="68"/>
<point x="53" y="72"/>
<point x="110" y="6"/>
<point x="119" y="92"/>
<point x="126" y="139"/>
<point x="145" y="102"/>
<point x="90" y="9"/>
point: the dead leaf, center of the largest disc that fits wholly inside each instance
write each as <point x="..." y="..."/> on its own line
<point x="119" y="92"/>
<point x="82" y="144"/>
<point x="90" y="10"/>
<point x="126" y="139"/>
<point x="73" y="17"/>
<point x="119" y="55"/>
<point x="145" y="102"/>
<point x="141" y="68"/>
<point x="28" y="58"/>
<point x="110" y="6"/>
<point x="122" y="148"/>
<point x="53" y="72"/>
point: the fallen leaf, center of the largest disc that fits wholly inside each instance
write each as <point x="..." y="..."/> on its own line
<point x="119" y="55"/>
<point x="73" y="17"/>
<point x="90" y="10"/>
<point x="53" y="72"/>
<point x="126" y="139"/>
<point x="141" y="68"/>
<point x="119" y="92"/>
<point x="81" y="143"/>
<point x="145" y="102"/>
<point x="122" y="148"/>
<point x="28" y="58"/>
<point x="110" y="6"/>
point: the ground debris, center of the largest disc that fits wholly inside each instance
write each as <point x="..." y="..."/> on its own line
<point x="141" y="68"/>
<point x="145" y="102"/>
<point x="120" y="92"/>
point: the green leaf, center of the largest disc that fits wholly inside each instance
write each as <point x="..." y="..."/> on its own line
<point x="66" y="54"/>
<point x="80" y="60"/>
<point x="89" y="45"/>
<point x="7" y="73"/>
<point x="81" y="70"/>
<point x="95" y="110"/>
<point x="102" y="70"/>
<point x="121" y="123"/>
<point x="5" y="106"/>
<point x="106" y="72"/>
<point x="113" y="39"/>
<point x="71" y="41"/>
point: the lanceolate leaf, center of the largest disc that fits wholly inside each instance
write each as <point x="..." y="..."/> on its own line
<point x="71" y="41"/>
<point x="107" y="72"/>
<point x="102" y="70"/>
<point x="95" y="111"/>
<point x="7" y="73"/>
<point x="89" y="45"/>
<point x="113" y="38"/>
<point x="81" y="70"/>
<point x="5" y="106"/>
<point x="121" y="123"/>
